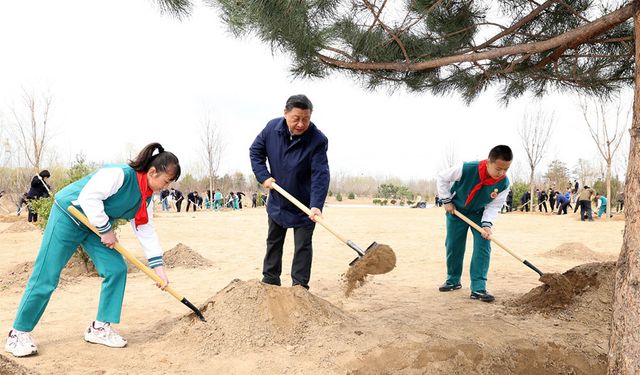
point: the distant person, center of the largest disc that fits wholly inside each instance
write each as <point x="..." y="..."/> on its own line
<point x="217" y="200"/>
<point x="563" y="203"/>
<point x="111" y="193"/>
<point x="542" y="201"/>
<point x="525" y="200"/>
<point x="239" y="195"/>
<point x="509" y="202"/>
<point x="164" y="199"/>
<point x="552" y="200"/>
<point x="602" y="204"/>
<point x="620" y="201"/>
<point x="39" y="189"/>
<point x="192" y="200"/>
<point x="584" y="201"/>
<point x="478" y="190"/>
<point x="178" y="197"/>
<point x="254" y="200"/>
<point x="296" y="151"/>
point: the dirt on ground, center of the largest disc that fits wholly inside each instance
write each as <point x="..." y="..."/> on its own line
<point x="19" y="227"/>
<point x="395" y="323"/>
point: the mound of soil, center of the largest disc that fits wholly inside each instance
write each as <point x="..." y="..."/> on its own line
<point x="19" y="227"/>
<point x="378" y="260"/>
<point x="574" y="250"/>
<point x="9" y="367"/>
<point x="589" y="298"/>
<point x="183" y="256"/>
<point x="250" y="314"/>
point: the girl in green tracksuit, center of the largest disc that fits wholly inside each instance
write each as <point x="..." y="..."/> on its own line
<point x="111" y="193"/>
<point x="478" y="190"/>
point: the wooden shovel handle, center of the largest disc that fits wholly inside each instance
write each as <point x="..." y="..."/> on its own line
<point x="119" y="248"/>
<point x="479" y="229"/>
<point x="307" y="210"/>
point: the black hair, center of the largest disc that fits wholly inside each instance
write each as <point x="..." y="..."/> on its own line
<point x="298" y="101"/>
<point x="163" y="161"/>
<point x="501" y="152"/>
<point x="45" y="174"/>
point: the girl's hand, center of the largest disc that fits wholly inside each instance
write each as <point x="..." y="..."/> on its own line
<point x="109" y="239"/>
<point x="160" y="272"/>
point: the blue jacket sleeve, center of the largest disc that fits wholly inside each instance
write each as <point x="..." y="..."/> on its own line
<point x="319" y="175"/>
<point x="258" y="156"/>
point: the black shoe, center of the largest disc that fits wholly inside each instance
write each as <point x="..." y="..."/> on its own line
<point x="446" y="287"/>
<point x="482" y="295"/>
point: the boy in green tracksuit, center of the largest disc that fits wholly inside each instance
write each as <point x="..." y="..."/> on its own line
<point x="478" y="190"/>
<point x="111" y="193"/>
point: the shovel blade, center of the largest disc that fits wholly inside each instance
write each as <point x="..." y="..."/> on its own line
<point x="373" y="245"/>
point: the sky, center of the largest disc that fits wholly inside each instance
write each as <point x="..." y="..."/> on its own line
<point x="123" y="75"/>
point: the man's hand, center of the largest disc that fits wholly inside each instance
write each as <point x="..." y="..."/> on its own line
<point x="486" y="233"/>
<point x="315" y="212"/>
<point x="109" y="239"/>
<point x="267" y="183"/>
<point x="449" y="207"/>
<point x="160" y="272"/>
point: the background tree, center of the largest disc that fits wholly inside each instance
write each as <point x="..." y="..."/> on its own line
<point x="31" y="127"/>
<point x="557" y="175"/>
<point x="606" y="135"/>
<point x="212" y="148"/>
<point x="535" y="133"/>
<point x="444" y="46"/>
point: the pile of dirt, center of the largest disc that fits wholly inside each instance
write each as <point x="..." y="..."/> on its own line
<point x="183" y="256"/>
<point x="19" y="227"/>
<point x="381" y="259"/>
<point x="250" y="314"/>
<point x="589" y="298"/>
<point x="18" y="276"/>
<point x="9" y="367"/>
<point x="574" y="250"/>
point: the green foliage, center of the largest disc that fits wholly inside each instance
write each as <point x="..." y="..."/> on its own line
<point x="393" y="191"/>
<point x="600" y="186"/>
<point x="351" y="196"/>
<point x="326" y="36"/>
<point x="377" y="201"/>
<point x="339" y="197"/>
<point x="557" y="174"/>
<point x="42" y="207"/>
<point x="330" y="193"/>
<point x="260" y="199"/>
<point x="518" y="189"/>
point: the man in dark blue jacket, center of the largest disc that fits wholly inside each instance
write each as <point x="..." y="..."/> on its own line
<point x="297" y="154"/>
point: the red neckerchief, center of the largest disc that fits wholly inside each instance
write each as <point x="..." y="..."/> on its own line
<point x="142" y="217"/>
<point x="485" y="180"/>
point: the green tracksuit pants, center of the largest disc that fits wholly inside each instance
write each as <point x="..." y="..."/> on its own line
<point x="455" y="244"/>
<point x="61" y="239"/>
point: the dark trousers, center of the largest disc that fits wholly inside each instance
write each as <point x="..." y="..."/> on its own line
<point x="178" y="205"/>
<point x="33" y="216"/>
<point x="585" y="207"/>
<point x="302" y="256"/>
<point x="189" y="203"/>
<point x="562" y="210"/>
<point x="543" y="204"/>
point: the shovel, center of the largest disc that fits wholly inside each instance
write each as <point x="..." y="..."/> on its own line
<point x="321" y="221"/>
<point x="480" y="230"/>
<point x="147" y="271"/>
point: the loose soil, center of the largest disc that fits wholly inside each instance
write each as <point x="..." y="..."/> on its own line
<point x="182" y="255"/>
<point x="378" y="260"/>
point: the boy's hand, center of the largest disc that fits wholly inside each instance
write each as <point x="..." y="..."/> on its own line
<point x="486" y="233"/>
<point x="449" y="207"/>
<point x="160" y="272"/>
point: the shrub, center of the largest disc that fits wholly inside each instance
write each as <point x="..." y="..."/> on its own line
<point x="351" y="196"/>
<point x="330" y="193"/>
<point x="393" y="201"/>
<point x="339" y="197"/>
<point x="384" y="202"/>
<point x="376" y="201"/>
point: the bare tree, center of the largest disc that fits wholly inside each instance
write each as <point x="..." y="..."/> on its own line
<point x="212" y="146"/>
<point x="607" y="136"/>
<point x="32" y="127"/>
<point x="535" y="133"/>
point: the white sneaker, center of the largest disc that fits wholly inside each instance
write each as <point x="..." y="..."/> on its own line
<point x="20" y="344"/>
<point x="104" y="335"/>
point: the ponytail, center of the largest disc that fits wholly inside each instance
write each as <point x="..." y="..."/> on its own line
<point x="162" y="161"/>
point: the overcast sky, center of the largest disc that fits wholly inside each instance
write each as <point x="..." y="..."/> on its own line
<point x="123" y="75"/>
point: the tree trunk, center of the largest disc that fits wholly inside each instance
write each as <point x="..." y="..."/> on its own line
<point x="532" y="188"/>
<point x="624" y="345"/>
<point x="608" y="206"/>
